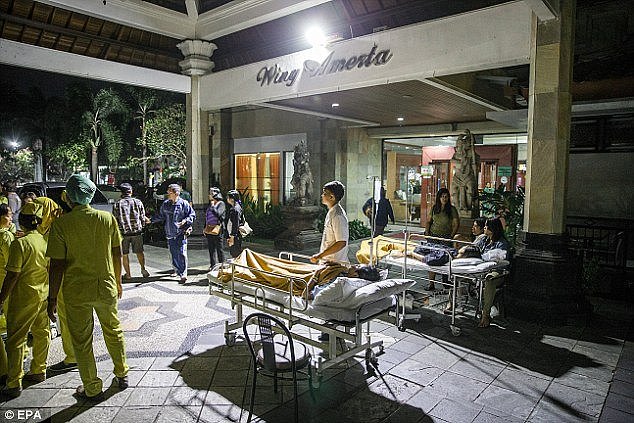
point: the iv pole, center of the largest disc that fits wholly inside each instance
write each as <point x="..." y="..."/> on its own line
<point x="376" y="197"/>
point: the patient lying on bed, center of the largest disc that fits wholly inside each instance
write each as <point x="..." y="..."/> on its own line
<point x="359" y="271"/>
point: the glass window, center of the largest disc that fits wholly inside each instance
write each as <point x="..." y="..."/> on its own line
<point x="259" y="174"/>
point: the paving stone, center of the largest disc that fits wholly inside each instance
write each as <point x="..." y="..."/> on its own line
<point x="569" y="402"/>
<point x="229" y="378"/>
<point x="139" y="363"/>
<point x="455" y="411"/>
<point x="225" y="396"/>
<point x="158" y="378"/>
<point x="620" y="402"/>
<point x="394" y="388"/>
<point x="548" y="411"/>
<point x="52" y="415"/>
<point x="168" y="363"/>
<point x="204" y="363"/>
<point x="147" y="396"/>
<point x="456" y="386"/>
<point x="186" y="396"/>
<point x="624" y="374"/>
<point x="115" y="398"/>
<point x="130" y="414"/>
<point x="406" y="414"/>
<point x="63" y="398"/>
<point x="221" y="413"/>
<point x="491" y="416"/>
<point x="31" y="398"/>
<point x="584" y="383"/>
<point x="178" y="414"/>
<point x="96" y="414"/>
<point x="194" y="378"/>
<point x="425" y="400"/>
<point x="612" y="415"/>
<point x="506" y="401"/>
<point x="601" y="356"/>
<point x="622" y="388"/>
<point x="439" y="356"/>
<point x="477" y="368"/>
<point x="409" y="347"/>
<point x="417" y="372"/>
<point x="522" y="382"/>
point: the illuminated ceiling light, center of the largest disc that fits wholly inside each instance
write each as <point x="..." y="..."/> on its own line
<point x="400" y="119"/>
<point x="334" y="105"/>
<point x="316" y="37"/>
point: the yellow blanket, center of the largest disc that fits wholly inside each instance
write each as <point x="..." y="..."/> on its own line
<point x="281" y="269"/>
<point x="381" y="247"/>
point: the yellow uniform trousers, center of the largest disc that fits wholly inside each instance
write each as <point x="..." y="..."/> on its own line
<point x="3" y="352"/>
<point x="81" y="326"/>
<point x="67" y="343"/>
<point x="23" y="318"/>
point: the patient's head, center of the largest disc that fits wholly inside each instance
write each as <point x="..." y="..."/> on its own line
<point x="363" y="271"/>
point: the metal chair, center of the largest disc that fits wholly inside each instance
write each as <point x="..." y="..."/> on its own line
<point x="277" y="354"/>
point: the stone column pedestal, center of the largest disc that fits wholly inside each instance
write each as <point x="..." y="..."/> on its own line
<point x="300" y="233"/>
<point x="546" y="281"/>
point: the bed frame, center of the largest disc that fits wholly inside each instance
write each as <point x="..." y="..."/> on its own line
<point x="348" y="334"/>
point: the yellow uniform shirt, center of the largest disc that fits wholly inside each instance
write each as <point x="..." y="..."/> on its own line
<point x="4" y="200"/>
<point x="6" y="238"/>
<point x="84" y="238"/>
<point x="27" y="256"/>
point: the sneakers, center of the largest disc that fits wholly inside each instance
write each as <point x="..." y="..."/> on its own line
<point x="62" y="367"/>
<point x="123" y="382"/>
<point x="34" y="377"/>
<point x="182" y="280"/>
<point x="80" y="392"/>
<point x="145" y="273"/>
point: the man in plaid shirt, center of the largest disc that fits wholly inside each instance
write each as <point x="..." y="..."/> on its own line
<point x="130" y="215"/>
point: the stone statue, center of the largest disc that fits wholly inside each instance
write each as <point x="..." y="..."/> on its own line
<point x="302" y="180"/>
<point x="464" y="182"/>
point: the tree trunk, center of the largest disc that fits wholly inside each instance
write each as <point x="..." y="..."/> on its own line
<point x="94" y="167"/>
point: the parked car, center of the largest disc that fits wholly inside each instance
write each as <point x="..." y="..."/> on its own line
<point x="54" y="190"/>
<point x="111" y="192"/>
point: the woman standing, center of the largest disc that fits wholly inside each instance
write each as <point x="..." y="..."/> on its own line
<point x="443" y="222"/>
<point x="214" y="223"/>
<point x="234" y="220"/>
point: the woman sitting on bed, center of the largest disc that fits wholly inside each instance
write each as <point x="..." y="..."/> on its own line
<point x="360" y="271"/>
<point x="494" y="230"/>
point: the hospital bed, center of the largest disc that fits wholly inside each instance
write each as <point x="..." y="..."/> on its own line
<point x="460" y="273"/>
<point x="339" y="310"/>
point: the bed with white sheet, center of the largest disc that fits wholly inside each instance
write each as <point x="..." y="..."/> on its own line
<point x="339" y="309"/>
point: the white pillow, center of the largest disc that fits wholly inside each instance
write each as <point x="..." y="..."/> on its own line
<point x="338" y="291"/>
<point x="376" y="291"/>
<point x="470" y="261"/>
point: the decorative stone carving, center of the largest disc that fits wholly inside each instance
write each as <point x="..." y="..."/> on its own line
<point x="197" y="57"/>
<point x="302" y="180"/>
<point x="464" y="182"/>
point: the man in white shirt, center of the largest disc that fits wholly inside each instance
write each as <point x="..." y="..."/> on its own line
<point x="334" y="240"/>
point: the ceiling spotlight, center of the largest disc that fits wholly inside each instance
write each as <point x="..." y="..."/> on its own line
<point x="334" y="105"/>
<point x="315" y="36"/>
<point x="400" y="119"/>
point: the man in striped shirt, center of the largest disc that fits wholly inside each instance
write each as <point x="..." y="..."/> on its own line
<point x="130" y="215"/>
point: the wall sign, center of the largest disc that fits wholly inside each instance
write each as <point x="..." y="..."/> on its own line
<point x="331" y="64"/>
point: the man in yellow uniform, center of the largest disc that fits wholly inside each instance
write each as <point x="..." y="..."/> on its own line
<point x="85" y="251"/>
<point x="6" y="238"/>
<point x="51" y="211"/>
<point x="27" y="283"/>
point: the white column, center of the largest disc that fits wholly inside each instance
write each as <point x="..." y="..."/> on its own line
<point x="197" y="62"/>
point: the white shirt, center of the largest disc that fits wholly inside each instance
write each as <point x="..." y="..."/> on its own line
<point x="335" y="229"/>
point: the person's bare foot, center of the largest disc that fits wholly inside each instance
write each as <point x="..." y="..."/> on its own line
<point x="485" y="321"/>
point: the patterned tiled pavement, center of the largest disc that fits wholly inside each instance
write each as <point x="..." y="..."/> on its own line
<point x="181" y="371"/>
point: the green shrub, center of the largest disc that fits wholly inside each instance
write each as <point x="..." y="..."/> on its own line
<point x="265" y="219"/>
<point x="511" y="202"/>
<point x="356" y="228"/>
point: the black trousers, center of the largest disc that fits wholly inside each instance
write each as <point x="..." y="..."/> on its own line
<point x="236" y="248"/>
<point x="214" y="245"/>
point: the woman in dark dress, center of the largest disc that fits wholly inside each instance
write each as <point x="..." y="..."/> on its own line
<point x="235" y="218"/>
<point x="214" y="216"/>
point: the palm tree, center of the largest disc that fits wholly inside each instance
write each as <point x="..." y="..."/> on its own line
<point x="145" y="101"/>
<point x="105" y="105"/>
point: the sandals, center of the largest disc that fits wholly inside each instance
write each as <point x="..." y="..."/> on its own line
<point x="485" y="322"/>
<point x="80" y="392"/>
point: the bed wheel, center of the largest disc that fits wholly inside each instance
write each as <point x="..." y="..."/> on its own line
<point x="455" y="330"/>
<point x="316" y="381"/>
<point x="230" y="339"/>
<point x="371" y="361"/>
